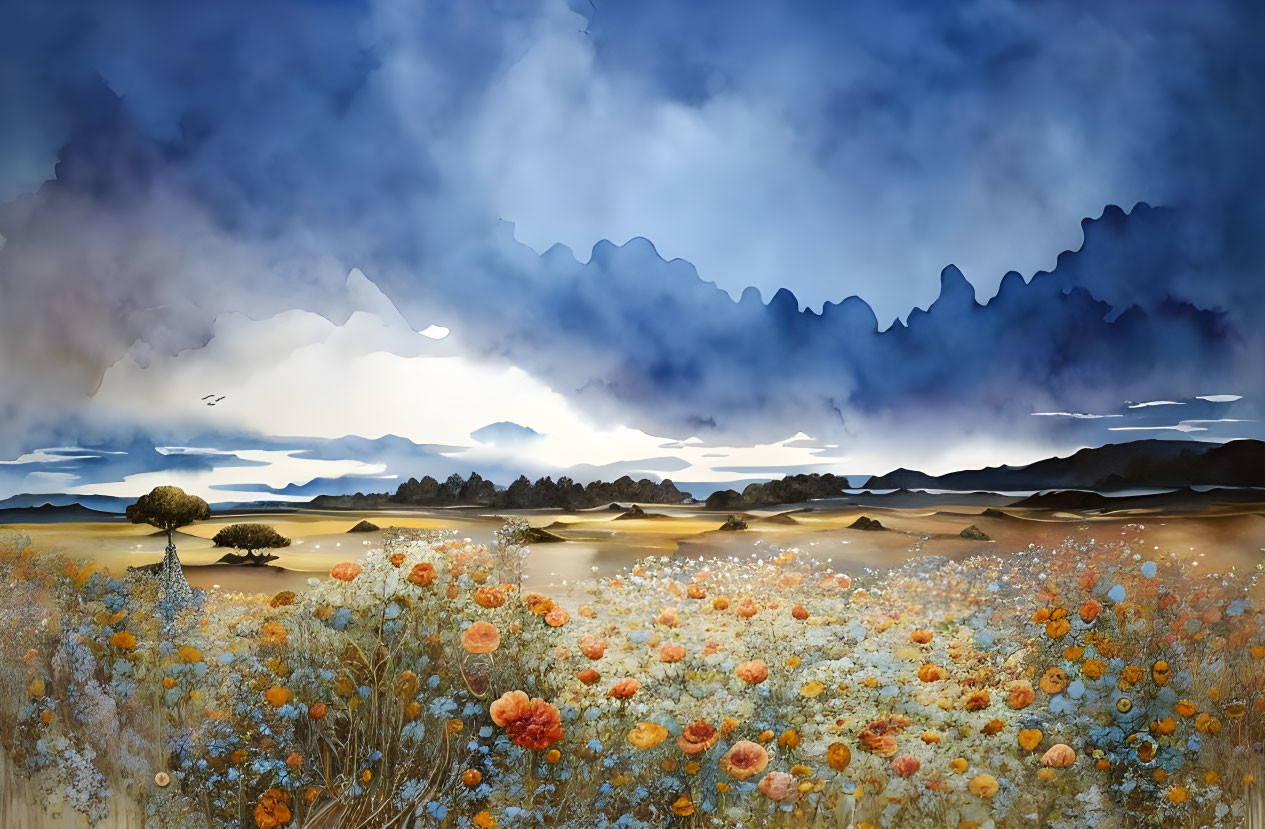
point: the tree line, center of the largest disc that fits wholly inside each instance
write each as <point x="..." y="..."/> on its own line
<point x="476" y="490"/>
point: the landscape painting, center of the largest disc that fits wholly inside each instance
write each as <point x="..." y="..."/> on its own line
<point x="622" y="414"/>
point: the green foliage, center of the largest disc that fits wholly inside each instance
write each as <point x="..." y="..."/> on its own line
<point x="250" y="537"/>
<point x="168" y="508"/>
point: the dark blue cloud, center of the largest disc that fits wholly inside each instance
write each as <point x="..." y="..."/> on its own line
<point x="243" y="156"/>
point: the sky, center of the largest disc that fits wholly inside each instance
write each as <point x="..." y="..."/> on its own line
<point x="714" y="242"/>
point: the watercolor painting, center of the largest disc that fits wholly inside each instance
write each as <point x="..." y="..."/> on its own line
<point x="598" y="413"/>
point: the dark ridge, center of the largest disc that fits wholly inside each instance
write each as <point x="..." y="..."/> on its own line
<point x="1159" y="464"/>
<point x="866" y="523"/>
<point x="1176" y="500"/>
<point x="992" y="512"/>
<point x="50" y="513"/>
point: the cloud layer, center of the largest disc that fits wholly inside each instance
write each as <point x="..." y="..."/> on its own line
<point x="233" y="162"/>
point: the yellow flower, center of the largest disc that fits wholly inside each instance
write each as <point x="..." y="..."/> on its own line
<point x="647" y="735"/>
<point x="811" y="689"/>
<point x="189" y="654"/>
<point x="683" y="807"/>
<point x="484" y="820"/>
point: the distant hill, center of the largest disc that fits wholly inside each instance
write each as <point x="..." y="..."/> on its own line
<point x="792" y="489"/>
<point x="1157" y="464"/>
<point x="51" y="513"/>
<point x="544" y="493"/>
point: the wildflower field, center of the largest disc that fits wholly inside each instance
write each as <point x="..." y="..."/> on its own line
<point x="1099" y="684"/>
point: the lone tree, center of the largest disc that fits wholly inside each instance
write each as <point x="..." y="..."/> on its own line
<point x="250" y="538"/>
<point x="169" y="508"/>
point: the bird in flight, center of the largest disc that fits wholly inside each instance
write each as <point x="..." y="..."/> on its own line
<point x="208" y="397"/>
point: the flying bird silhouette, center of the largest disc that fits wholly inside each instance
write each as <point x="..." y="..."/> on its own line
<point x="208" y="397"/>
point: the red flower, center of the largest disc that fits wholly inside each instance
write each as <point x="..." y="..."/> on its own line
<point x="531" y="723"/>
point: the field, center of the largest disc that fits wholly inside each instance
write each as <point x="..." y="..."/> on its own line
<point x="1067" y="669"/>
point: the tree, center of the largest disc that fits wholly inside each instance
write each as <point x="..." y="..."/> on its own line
<point x="169" y="508"/>
<point x="250" y="538"/>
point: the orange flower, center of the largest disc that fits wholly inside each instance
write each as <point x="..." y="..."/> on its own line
<point x="1054" y="681"/>
<point x="471" y="778"/>
<point x="906" y="765"/>
<point x="272" y="633"/>
<point x="1089" y="610"/>
<point x="838" y="756"/>
<point x="589" y="676"/>
<point x="489" y="596"/>
<point x="932" y="673"/>
<point x="1030" y="738"/>
<point x="277" y="696"/>
<point x="668" y="617"/>
<point x="531" y="723"/>
<point x="1021" y="695"/>
<point x="557" y="617"/>
<point x="683" y="806"/>
<point x="538" y="604"/>
<point x="422" y="574"/>
<point x="753" y="672"/>
<point x="647" y="735"/>
<point x="271" y="810"/>
<point x="593" y="646"/>
<point x="484" y="820"/>
<point x="295" y="760"/>
<point x="921" y="636"/>
<point x="624" y="689"/>
<point x="799" y="612"/>
<point x="481" y="637"/>
<point x="672" y="652"/>
<point x="396" y="559"/>
<point x="720" y="603"/>
<point x="697" y="737"/>
<point x="1094" y="668"/>
<point x="879" y="737"/>
<point x="317" y="710"/>
<point x="977" y="701"/>
<point x="123" y="640"/>
<point x="745" y="759"/>
<point x="747" y="608"/>
<point x="345" y="571"/>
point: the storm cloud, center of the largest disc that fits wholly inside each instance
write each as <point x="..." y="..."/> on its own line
<point x="784" y="188"/>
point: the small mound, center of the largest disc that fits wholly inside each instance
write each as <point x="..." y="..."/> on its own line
<point x="733" y="524"/>
<point x="866" y="523"/>
<point x="365" y="527"/>
<point x="535" y="535"/>
<point x="637" y="512"/>
<point x="975" y="534"/>
<point x="780" y="518"/>
<point x="247" y="561"/>
<point x="992" y="512"/>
